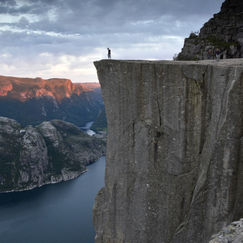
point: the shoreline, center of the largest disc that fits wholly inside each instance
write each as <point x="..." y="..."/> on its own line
<point x="47" y="183"/>
<point x="55" y="180"/>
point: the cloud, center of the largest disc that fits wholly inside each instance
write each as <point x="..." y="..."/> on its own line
<point x="63" y="37"/>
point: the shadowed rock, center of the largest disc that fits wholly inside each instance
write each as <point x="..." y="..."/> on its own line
<point x="52" y="152"/>
<point x="174" y="155"/>
<point x="223" y="32"/>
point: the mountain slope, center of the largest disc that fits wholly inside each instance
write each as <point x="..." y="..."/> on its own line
<point x="223" y="32"/>
<point x="48" y="153"/>
<point x="31" y="101"/>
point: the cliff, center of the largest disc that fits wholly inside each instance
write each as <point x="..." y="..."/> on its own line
<point x="174" y="167"/>
<point x="43" y="100"/>
<point x="224" y="32"/>
<point x="27" y="88"/>
<point x="52" y="152"/>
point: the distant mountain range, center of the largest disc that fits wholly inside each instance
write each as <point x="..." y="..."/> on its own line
<point x="32" y="101"/>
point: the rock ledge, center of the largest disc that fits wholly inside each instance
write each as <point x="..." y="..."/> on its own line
<point x="174" y="162"/>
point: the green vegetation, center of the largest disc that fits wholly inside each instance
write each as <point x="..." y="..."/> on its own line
<point x="195" y="38"/>
<point x="213" y="40"/>
<point x="77" y="109"/>
<point x="100" y="123"/>
<point x="23" y="157"/>
<point x="221" y="44"/>
<point x="193" y="35"/>
<point x="182" y="57"/>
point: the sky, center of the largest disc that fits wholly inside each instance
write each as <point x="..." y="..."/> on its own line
<point x="62" y="38"/>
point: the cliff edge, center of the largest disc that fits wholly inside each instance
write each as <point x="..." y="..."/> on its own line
<point x="174" y="165"/>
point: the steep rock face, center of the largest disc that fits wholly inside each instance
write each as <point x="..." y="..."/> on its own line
<point x="42" y="100"/>
<point x="51" y="152"/>
<point x="232" y="233"/>
<point x="224" y="32"/>
<point x="174" y="150"/>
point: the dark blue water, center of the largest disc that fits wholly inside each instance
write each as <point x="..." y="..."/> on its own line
<point x="59" y="213"/>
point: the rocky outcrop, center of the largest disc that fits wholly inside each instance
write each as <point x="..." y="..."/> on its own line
<point x="42" y="100"/>
<point x="224" y="32"/>
<point x="233" y="233"/>
<point x="174" y="152"/>
<point x="51" y="152"/>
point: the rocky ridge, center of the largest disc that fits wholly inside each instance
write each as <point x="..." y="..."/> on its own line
<point x="224" y="32"/>
<point x="43" y="100"/>
<point x="174" y="151"/>
<point x="27" y="88"/>
<point x="51" y="152"/>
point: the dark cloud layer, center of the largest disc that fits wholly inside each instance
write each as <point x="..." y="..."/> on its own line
<point x="81" y="30"/>
<point x="72" y="16"/>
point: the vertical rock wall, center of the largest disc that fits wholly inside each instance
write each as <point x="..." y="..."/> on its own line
<point x="174" y="156"/>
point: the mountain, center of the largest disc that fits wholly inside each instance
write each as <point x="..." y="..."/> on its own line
<point x="51" y="152"/>
<point x="224" y="32"/>
<point x="23" y="89"/>
<point x="31" y="101"/>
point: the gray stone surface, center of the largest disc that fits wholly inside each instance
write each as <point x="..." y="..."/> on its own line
<point x="52" y="152"/>
<point x="233" y="233"/>
<point x="174" y="152"/>
<point x="224" y="32"/>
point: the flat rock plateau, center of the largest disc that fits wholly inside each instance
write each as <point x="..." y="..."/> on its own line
<point x="174" y="163"/>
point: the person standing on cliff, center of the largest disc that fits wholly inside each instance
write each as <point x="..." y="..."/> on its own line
<point x="210" y="54"/>
<point x="109" y="53"/>
<point x="217" y="52"/>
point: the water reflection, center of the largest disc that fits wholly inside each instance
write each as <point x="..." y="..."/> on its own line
<point x="59" y="213"/>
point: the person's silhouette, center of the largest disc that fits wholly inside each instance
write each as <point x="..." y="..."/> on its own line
<point x="109" y="53"/>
